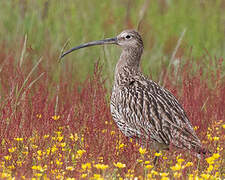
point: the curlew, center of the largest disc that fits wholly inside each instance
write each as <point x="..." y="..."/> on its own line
<point x="140" y="107"/>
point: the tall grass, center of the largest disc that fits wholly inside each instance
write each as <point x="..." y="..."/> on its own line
<point x="49" y="25"/>
<point x="65" y="130"/>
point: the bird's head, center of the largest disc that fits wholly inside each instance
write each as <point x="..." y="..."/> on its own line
<point x="126" y="39"/>
<point x="129" y="39"/>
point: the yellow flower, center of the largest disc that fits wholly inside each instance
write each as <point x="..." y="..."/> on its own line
<point x="149" y="166"/>
<point x="121" y="146"/>
<point x="158" y="154"/>
<point x="210" y="160"/>
<point x="196" y="127"/>
<point x="120" y="165"/>
<point x="164" y="157"/>
<point x="46" y="136"/>
<point x="217" y="174"/>
<point x="31" y="139"/>
<point x="58" y="133"/>
<point x="86" y="166"/>
<point x="48" y="150"/>
<point x="164" y="174"/>
<point x="210" y="168"/>
<point x="154" y="172"/>
<point x="39" y="116"/>
<point x="101" y="166"/>
<point x="142" y="151"/>
<point x="55" y="117"/>
<point x="63" y="144"/>
<point x="60" y="138"/>
<point x="84" y="175"/>
<point x="39" y="168"/>
<point x="177" y="174"/>
<point x="59" y="176"/>
<point x="19" y="163"/>
<point x="223" y="126"/>
<point x="70" y="168"/>
<point x="97" y="177"/>
<point x="165" y="178"/>
<point x="104" y="130"/>
<point x="209" y="137"/>
<point x="112" y="132"/>
<point x="34" y="146"/>
<point x="147" y="162"/>
<point x="82" y="139"/>
<point x="38" y="174"/>
<point x="18" y="139"/>
<point x="180" y="161"/>
<point x="190" y="177"/>
<point x="189" y="164"/>
<point x="177" y="167"/>
<point x="11" y="150"/>
<point x="58" y="162"/>
<point x="100" y="159"/>
<point x="74" y="137"/>
<point x="216" y="138"/>
<point x="11" y="167"/>
<point x="149" y="176"/>
<point x="7" y="157"/>
<point x="205" y="176"/>
<point x="39" y="152"/>
<point x="216" y="155"/>
<point x="80" y="153"/>
<point x="54" y="148"/>
<point x="129" y="176"/>
<point x="5" y="175"/>
<point x="218" y="148"/>
<point x="25" y="152"/>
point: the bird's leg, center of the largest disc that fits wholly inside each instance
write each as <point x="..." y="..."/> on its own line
<point x="198" y="163"/>
<point x="155" y="159"/>
<point x="199" y="157"/>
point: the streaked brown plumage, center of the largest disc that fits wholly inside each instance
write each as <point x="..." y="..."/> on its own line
<point x="140" y="107"/>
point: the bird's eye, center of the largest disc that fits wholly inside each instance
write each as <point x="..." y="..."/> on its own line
<point x="128" y="36"/>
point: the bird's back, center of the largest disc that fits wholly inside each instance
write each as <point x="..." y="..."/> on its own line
<point x="144" y="110"/>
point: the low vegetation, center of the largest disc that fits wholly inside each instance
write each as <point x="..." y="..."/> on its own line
<point x="69" y="133"/>
<point x="55" y="121"/>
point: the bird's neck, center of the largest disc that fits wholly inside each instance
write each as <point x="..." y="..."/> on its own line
<point x="128" y="63"/>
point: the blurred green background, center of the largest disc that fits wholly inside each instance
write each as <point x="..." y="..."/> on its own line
<point x="50" y="23"/>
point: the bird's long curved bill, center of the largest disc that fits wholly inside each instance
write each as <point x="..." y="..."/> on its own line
<point x="93" y="43"/>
